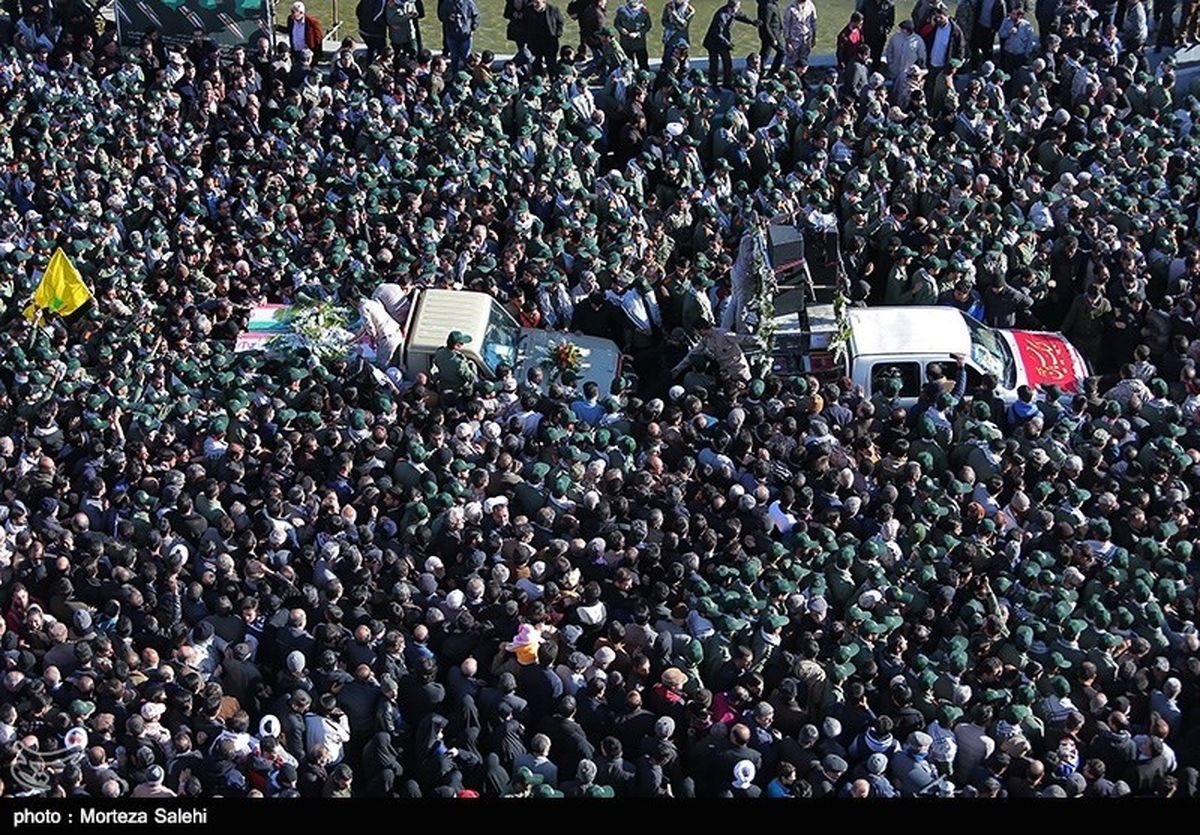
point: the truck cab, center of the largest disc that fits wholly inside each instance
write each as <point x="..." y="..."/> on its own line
<point x="496" y="338"/>
<point x="871" y="344"/>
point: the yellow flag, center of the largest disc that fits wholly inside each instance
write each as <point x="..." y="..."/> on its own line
<point x="61" y="289"/>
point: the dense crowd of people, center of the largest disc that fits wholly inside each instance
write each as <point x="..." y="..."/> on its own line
<point x="275" y="574"/>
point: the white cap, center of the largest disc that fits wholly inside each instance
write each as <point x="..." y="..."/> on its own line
<point x="869" y="598"/>
<point x="743" y="774"/>
<point x="268" y="726"/>
<point x="77" y="737"/>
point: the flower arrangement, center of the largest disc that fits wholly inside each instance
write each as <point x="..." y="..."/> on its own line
<point x="560" y="356"/>
<point x="322" y="327"/>
<point x="758" y="314"/>
<point x="841" y="338"/>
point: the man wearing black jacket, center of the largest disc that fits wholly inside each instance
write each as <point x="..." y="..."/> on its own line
<point x="505" y="692"/>
<point x="635" y="723"/>
<point x="360" y="700"/>
<point x="944" y="43"/>
<point x="372" y="26"/>
<point x="989" y="16"/>
<point x="240" y="678"/>
<point x="596" y="317"/>
<point x="879" y="18"/>
<point x="738" y="749"/>
<point x="770" y="36"/>
<point x="1113" y="745"/>
<point x="544" y="26"/>
<point x="567" y="737"/>
<point x="718" y="40"/>
<point x="292" y="724"/>
<point x="612" y="769"/>
<point x="539" y="683"/>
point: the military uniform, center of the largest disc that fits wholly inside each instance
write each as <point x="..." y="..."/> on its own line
<point x="454" y="371"/>
<point x="696" y="308"/>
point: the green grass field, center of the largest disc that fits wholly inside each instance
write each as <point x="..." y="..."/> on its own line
<point x="831" y="17"/>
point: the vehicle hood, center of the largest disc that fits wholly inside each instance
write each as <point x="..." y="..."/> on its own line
<point x="601" y="357"/>
<point x="1045" y="358"/>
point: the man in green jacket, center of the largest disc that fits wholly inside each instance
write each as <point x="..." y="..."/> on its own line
<point x="455" y="372"/>
<point x="402" y="18"/>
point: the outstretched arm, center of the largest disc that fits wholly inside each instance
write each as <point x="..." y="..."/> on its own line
<point x="960" y="379"/>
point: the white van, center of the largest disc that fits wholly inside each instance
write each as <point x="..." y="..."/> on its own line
<point x="869" y="344"/>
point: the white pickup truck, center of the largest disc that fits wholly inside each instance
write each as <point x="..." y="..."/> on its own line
<point x="869" y="344"/>
<point x="495" y="338"/>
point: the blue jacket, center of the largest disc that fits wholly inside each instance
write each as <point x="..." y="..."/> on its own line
<point x="1020" y="412"/>
<point x="460" y="17"/>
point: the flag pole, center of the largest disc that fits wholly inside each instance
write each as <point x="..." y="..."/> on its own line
<point x="37" y="323"/>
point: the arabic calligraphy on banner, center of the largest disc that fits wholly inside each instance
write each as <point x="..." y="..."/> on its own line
<point x="1047" y="360"/>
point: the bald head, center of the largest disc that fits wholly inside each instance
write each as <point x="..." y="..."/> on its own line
<point x="739" y="734"/>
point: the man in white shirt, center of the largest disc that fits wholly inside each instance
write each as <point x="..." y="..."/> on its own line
<point x="939" y="53"/>
<point x="779" y="512"/>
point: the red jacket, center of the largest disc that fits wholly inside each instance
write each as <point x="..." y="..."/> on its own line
<point x="313" y="34"/>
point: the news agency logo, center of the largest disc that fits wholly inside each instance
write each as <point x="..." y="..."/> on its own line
<point x="35" y="771"/>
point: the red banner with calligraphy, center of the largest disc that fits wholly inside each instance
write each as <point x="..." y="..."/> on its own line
<point x="1048" y="359"/>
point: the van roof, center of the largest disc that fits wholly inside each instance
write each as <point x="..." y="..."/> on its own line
<point x="442" y="311"/>
<point x="908" y="329"/>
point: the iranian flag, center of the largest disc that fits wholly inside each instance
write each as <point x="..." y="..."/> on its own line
<point x="266" y="322"/>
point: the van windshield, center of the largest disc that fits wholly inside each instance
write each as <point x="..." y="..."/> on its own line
<point x="500" y="340"/>
<point x="990" y="352"/>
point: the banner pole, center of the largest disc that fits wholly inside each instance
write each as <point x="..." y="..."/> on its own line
<point x="272" y="15"/>
<point x="33" y="332"/>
